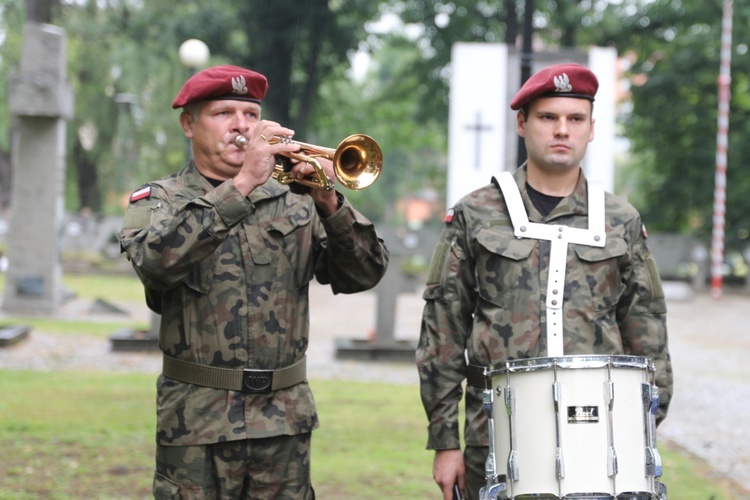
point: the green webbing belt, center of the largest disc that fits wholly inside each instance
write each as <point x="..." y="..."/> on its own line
<point x="250" y="381"/>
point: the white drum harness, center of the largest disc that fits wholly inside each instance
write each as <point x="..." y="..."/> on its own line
<point x="571" y="415"/>
<point x="559" y="237"/>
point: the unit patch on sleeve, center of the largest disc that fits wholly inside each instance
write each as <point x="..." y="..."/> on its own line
<point x="449" y="216"/>
<point x="142" y="193"/>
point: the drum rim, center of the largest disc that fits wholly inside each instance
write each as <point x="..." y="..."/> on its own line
<point x="569" y="362"/>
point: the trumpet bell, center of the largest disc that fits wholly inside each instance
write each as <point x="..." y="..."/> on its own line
<point x="358" y="161"/>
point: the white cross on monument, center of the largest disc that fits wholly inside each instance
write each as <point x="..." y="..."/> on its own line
<point x="478" y="128"/>
<point x="484" y="78"/>
<point x="477" y="96"/>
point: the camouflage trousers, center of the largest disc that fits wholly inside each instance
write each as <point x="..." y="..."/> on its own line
<point x="270" y="468"/>
<point x="474" y="461"/>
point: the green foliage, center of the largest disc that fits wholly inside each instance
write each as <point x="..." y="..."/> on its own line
<point x="124" y="70"/>
<point x="299" y="46"/>
<point x="440" y="25"/>
<point x="381" y="106"/>
<point x="674" y="122"/>
<point x="11" y="45"/>
<point x="672" y="126"/>
<point x="117" y="51"/>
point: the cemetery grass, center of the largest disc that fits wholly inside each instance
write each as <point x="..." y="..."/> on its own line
<point x="74" y="435"/>
<point x="71" y="435"/>
<point x="114" y="288"/>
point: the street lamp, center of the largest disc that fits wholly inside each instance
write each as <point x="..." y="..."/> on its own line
<point x="125" y="144"/>
<point x="526" y="59"/>
<point x="193" y="54"/>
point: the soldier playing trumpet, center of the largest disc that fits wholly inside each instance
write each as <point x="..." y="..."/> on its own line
<point x="226" y="254"/>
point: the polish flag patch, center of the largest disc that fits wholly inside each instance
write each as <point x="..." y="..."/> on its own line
<point x="449" y="216"/>
<point x="140" y="194"/>
<point x="643" y="230"/>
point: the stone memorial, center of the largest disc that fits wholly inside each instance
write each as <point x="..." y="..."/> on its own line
<point x="40" y="100"/>
<point x="384" y="346"/>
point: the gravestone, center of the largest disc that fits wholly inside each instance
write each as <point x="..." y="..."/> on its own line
<point x="129" y="339"/>
<point x="385" y="346"/>
<point x="13" y="334"/>
<point x="40" y="100"/>
<point x="680" y="257"/>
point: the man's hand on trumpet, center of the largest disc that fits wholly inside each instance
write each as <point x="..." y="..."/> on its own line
<point x="260" y="154"/>
<point x="199" y="222"/>
<point x="326" y="200"/>
<point x="262" y="151"/>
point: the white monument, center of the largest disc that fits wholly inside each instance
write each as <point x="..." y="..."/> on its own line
<point x="477" y="116"/>
<point x="482" y="138"/>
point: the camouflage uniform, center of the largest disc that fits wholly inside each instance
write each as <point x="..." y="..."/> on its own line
<point x="485" y="297"/>
<point x="230" y="275"/>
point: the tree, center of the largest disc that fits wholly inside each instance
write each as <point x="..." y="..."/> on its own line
<point x="382" y="105"/>
<point x="557" y="23"/>
<point x="297" y="45"/>
<point x="11" y="15"/>
<point x="116" y="50"/>
<point x="674" y="122"/>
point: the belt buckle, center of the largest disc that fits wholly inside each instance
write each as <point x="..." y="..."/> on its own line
<point x="257" y="381"/>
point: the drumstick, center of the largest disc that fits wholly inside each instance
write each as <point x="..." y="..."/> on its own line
<point x="456" y="492"/>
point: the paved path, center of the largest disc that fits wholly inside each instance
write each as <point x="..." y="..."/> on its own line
<point x="709" y="342"/>
<point x="709" y="416"/>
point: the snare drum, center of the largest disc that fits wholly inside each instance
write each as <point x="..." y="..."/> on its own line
<point x="575" y="427"/>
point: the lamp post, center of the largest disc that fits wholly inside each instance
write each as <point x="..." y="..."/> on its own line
<point x="193" y="54"/>
<point x="527" y="55"/>
<point x="125" y="148"/>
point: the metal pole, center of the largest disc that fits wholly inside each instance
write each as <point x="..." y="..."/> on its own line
<point x="188" y="143"/>
<point x="720" y="183"/>
<point x="527" y="54"/>
<point x="193" y="54"/>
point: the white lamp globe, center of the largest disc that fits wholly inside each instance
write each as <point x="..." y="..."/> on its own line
<point x="194" y="53"/>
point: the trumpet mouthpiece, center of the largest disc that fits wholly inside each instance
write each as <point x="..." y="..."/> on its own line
<point x="240" y="141"/>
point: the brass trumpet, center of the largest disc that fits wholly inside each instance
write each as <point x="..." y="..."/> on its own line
<point x="357" y="161"/>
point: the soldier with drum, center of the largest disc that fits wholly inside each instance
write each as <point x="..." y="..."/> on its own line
<point x="543" y="270"/>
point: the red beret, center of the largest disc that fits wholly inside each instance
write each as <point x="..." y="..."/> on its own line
<point x="560" y="80"/>
<point x="222" y="82"/>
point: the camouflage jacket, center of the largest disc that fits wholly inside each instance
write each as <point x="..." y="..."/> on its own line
<point x="230" y="275"/>
<point x="485" y="301"/>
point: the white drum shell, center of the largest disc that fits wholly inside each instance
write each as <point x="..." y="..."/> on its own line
<point x="584" y="437"/>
